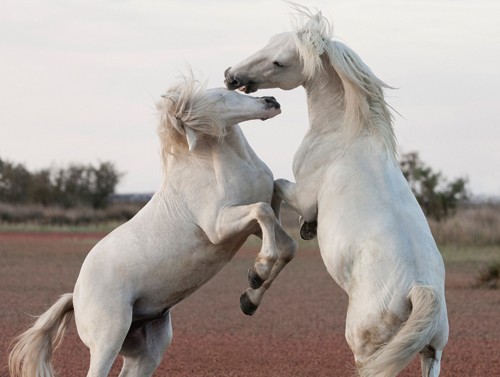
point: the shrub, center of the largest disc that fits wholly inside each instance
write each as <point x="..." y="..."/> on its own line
<point x="437" y="197"/>
<point x="489" y="276"/>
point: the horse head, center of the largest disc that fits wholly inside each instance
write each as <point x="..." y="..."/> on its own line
<point x="289" y="59"/>
<point x="277" y="65"/>
<point x="189" y="111"/>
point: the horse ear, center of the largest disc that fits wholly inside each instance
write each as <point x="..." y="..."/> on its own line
<point x="191" y="138"/>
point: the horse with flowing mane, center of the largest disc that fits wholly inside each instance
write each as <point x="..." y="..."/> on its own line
<point x="373" y="236"/>
<point x="216" y="192"/>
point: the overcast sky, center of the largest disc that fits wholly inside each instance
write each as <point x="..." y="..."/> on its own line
<point x="79" y="79"/>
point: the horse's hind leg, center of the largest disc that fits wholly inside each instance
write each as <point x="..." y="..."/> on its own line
<point x="430" y="361"/>
<point x="145" y="346"/>
<point x="104" y="349"/>
<point x="103" y="329"/>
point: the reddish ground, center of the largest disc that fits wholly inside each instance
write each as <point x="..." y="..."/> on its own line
<point x="297" y="331"/>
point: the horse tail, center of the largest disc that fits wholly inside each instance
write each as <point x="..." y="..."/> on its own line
<point x="412" y="337"/>
<point x="31" y="355"/>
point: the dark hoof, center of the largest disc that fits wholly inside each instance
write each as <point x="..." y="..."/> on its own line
<point x="308" y="230"/>
<point x="254" y="279"/>
<point x="247" y="306"/>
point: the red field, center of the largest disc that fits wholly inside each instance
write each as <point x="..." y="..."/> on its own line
<point x="297" y="331"/>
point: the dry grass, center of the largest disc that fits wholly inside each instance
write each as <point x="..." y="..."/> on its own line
<point x="58" y="216"/>
<point x="473" y="225"/>
<point x="477" y="225"/>
<point x="489" y="276"/>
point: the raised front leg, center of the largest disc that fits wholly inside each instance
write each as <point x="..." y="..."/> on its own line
<point x="305" y="207"/>
<point x="287" y="247"/>
<point x="239" y="219"/>
<point x="276" y="251"/>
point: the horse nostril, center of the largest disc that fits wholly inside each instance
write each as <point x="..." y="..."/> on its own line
<point x="230" y="81"/>
<point x="271" y="102"/>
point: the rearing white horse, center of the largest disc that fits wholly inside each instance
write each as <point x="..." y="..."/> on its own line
<point x="373" y="236"/>
<point x="216" y="192"/>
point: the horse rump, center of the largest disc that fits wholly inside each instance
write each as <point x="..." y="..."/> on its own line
<point x="413" y="336"/>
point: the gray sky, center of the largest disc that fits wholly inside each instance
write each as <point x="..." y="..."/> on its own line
<point x="79" y="79"/>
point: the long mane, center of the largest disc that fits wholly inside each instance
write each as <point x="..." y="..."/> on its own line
<point x="184" y="104"/>
<point x="364" y="103"/>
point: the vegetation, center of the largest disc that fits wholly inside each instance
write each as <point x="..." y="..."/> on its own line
<point x="82" y="195"/>
<point x="437" y="197"/>
<point x="470" y="224"/>
<point x="42" y="216"/>
<point x="77" y="185"/>
<point x="489" y="276"/>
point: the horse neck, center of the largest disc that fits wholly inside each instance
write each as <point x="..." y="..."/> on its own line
<point x="209" y="151"/>
<point x="324" y="101"/>
<point x="328" y="119"/>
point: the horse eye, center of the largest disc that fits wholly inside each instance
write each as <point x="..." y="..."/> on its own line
<point x="278" y="64"/>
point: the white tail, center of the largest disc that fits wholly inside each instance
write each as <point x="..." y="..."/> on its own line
<point x="413" y="336"/>
<point x="31" y="356"/>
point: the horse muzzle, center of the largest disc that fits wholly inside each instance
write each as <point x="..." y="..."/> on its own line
<point x="234" y="82"/>
<point x="271" y="103"/>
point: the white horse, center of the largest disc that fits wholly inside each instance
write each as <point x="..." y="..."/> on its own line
<point x="373" y="236"/>
<point x="216" y="192"/>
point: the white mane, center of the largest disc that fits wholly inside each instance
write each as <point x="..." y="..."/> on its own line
<point x="184" y="105"/>
<point x="365" y="107"/>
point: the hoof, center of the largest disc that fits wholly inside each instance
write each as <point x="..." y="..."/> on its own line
<point x="247" y="306"/>
<point x="254" y="279"/>
<point x="308" y="231"/>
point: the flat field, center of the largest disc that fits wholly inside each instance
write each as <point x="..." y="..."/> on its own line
<point x="297" y="331"/>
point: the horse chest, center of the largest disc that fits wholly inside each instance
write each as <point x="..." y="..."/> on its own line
<point x="314" y="155"/>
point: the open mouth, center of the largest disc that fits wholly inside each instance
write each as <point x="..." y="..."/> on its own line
<point x="250" y="87"/>
<point x="234" y="84"/>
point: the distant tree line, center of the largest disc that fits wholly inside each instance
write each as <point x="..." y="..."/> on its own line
<point x="72" y="186"/>
<point x="93" y="186"/>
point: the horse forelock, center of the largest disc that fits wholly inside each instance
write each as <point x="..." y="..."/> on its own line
<point x="312" y="33"/>
<point x="185" y="104"/>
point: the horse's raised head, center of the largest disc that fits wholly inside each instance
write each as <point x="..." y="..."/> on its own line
<point x="287" y="60"/>
<point x="277" y="65"/>
<point x="189" y="111"/>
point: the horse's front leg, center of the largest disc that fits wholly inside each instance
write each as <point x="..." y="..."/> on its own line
<point x="287" y="247"/>
<point x="239" y="219"/>
<point x="276" y="251"/>
<point x="305" y="206"/>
